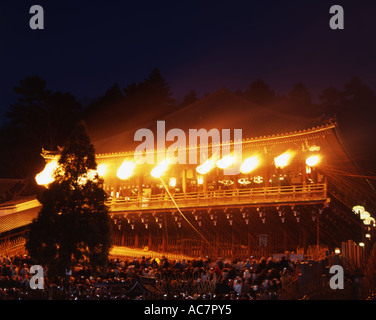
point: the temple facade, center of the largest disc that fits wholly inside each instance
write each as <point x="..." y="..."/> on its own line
<point x="291" y="191"/>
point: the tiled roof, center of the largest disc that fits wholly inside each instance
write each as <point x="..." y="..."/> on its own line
<point x="18" y="219"/>
<point x="221" y="110"/>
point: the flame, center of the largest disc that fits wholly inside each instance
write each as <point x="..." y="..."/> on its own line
<point x="225" y="162"/>
<point x="312" y="160"/>
<point x="101" y="169"/>
<point x="126" y="170"/>
<point x="205" y="167"/>
<point x="160" y="169"/>
<point x="282" y="160"/>
<point x="46" y="176"/>
<point x="249" y="164"/>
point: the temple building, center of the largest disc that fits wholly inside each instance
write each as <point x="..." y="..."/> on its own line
<point x="296" y="185"/>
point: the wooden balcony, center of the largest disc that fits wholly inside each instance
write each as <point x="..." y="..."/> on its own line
<point x="286" y="195"/>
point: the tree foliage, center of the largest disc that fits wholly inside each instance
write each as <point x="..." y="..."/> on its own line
<point x="74" y="222"/>
<point x="260" y="92"/>
<point x="39" y="118"/>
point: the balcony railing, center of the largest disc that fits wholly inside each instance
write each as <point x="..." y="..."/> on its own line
<point x="234" y="197"/>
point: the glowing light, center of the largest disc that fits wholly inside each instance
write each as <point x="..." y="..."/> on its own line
<point x="225" y="162"/>
<point x="205" y="167"/>
<point x="369" y="220"/>
<point x="249" y="164"/>
<point x="46" y="176"/>
<point x="258" y="179"/>
<point x="282" y="160"/>
<point x="173" y="182"/>
<point x="358" y="209"/>
<point x="337" y="251"/>
<point x="312" y="161"/>
<point x="368" y="236"/>
<point x="126" y="169"/>
<point x="160" y="169"/>
<point x="101" y="169"/>
<point x="361" y="244"/>
<point x="244" y="181"/>
<point x="200" y="180"/>
<point x="365" y="215"/>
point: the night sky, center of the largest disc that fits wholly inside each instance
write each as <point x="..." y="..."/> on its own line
<point x="87" y="46"/>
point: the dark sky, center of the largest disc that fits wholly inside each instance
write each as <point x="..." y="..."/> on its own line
<point x="87" y="46"/>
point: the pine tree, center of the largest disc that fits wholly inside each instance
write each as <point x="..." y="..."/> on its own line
<point x="189" y="98"/>
<point x="260" y="93"/>
<point x="73" y="224"/>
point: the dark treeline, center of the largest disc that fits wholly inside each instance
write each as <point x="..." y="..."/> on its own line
<point x="41" y="118"/>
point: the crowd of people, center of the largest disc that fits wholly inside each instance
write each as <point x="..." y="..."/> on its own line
<point x="202" y="278"/>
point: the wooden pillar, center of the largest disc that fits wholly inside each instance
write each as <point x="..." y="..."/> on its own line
<point x="235" y="180"/>
<point x="165" y="233"/>
<point x="163" y="241"/>
<point x="184" y="180"/>
<point x="249" y="251"/>
<point x="150" y="243"/>
<point x="267" y="176"/>
<point x="140" y="181"/>
<point x="232" y="240"/>
<point x="205" y="182"/>
<point x="285" y="241"/>
<point x="136" y="239"/>
<point x="318" y="230"/>
<point x="202" y="248"/>
<point x="305" y="240"/>
<point x="304" y="174"/>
